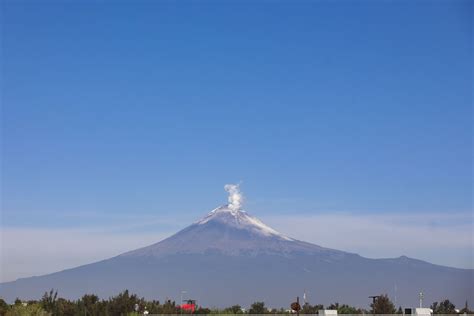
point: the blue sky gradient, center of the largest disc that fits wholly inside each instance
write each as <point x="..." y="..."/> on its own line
<point x="147" y="109"/>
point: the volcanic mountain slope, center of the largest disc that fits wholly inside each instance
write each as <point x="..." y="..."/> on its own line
<point x="230" y="257"/>
<point x="229" y="232"/>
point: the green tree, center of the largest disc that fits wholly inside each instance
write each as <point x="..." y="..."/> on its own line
<point x="27" y="310"/>
<point x="334" y="306"/>
<point x="48" y="302"/>
<point x="89" y="305"/>
<point x="169" y="307"/>
<point x="445" y="307"/>
<point x="202" y="310"/>
<point x="346" y="309"/>
<point x="153" y="307"/>
<point x="383" y="305"/>
<point x="234" y="309"/>
<point x="258" y="308"/>
<point x="65" y="307"/>
<point x="123" y="304"/>
<point x="4" y="307"/>
<point x="465" y="309"/>
<point x="310" y="309"/>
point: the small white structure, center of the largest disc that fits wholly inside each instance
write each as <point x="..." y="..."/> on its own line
<point x="423" y="311"/>
<point x="327" y="312"/>
<point x="418" y="311"/>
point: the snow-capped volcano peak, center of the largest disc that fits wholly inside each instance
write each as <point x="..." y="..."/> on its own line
<point x="240" y="219"/>
<point x="232" y="215"/>
<point x="224" y="211"/>
<point x="229" y="230"/>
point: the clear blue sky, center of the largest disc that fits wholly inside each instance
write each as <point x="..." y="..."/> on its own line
<point x="151" y="107"/>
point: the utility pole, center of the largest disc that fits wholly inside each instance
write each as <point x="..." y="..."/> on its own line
<point x="298" y="302"/>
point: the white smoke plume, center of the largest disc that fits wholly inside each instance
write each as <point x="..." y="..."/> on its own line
<point x="235" y="196"/>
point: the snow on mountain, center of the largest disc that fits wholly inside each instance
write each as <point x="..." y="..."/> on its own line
<point x="240" y="220"/>
<point x="230" y="231"/>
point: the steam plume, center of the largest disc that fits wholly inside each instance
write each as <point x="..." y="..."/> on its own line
<point x="235" y="196"/>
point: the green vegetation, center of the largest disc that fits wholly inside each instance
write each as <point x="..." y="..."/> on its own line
<point x="126" y="304"/>
<point x="444" y="307"/>
<point x="383" y="305"/>
<point x="258" y="308"/>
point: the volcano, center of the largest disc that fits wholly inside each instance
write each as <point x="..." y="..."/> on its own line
<point x="232" y="233"/>
<point x="230" y="257"/>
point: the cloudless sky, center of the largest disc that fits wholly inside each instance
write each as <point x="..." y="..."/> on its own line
<point x="150" y="107"/>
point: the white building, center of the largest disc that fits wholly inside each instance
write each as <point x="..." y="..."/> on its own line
<point x="327" y="312"/>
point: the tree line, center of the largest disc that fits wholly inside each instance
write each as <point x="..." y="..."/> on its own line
<point x="127" y="304"/>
